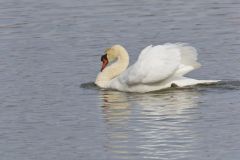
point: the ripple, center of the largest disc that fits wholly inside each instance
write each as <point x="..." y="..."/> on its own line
<point x="226" y="84"/>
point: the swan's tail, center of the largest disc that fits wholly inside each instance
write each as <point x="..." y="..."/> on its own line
<point x="184" y="81"/>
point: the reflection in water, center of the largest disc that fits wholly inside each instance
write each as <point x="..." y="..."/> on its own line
<point x="151" y="125"/>
<point x="116" y="113"/>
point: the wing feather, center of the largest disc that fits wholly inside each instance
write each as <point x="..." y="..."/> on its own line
<point x="153" y="65"/>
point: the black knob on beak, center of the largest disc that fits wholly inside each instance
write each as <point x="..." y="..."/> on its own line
<point x="104" y="57"/>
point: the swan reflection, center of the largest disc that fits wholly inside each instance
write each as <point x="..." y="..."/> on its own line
<point x="150" y="125"/>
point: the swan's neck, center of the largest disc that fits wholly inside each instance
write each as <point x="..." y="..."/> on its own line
<point x="113" y="70"/>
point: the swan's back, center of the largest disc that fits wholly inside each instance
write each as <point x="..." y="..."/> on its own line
<point x="154" y="64"/>
<point x="156" y="67"/>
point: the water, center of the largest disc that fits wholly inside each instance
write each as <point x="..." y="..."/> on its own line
<point x="48" y="49"/>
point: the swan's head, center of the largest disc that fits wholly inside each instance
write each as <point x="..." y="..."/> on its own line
<point x="111" y="54"/>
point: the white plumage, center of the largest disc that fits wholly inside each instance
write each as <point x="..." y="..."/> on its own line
<point x="158" y="67"/>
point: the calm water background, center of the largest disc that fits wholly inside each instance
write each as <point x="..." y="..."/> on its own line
<point x="48" y="48"/>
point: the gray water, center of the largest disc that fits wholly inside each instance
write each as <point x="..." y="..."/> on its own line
<point x="50" y="53"/>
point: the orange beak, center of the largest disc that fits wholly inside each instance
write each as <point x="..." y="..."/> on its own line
<point x="104" y="61"/>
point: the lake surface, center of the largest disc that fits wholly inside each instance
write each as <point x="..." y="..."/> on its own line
<point x="50" y="53"/>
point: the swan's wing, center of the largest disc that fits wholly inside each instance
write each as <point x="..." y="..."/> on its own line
<point x="153" y="65"/>
<point x="158" y="63"/>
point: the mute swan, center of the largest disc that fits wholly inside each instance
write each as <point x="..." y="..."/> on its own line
<point x="158" y="67"/>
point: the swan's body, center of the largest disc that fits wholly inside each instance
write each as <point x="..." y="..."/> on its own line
<point x="157" y="68"/>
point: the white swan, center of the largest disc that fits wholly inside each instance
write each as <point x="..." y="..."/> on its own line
<point x="158" y="67"/>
